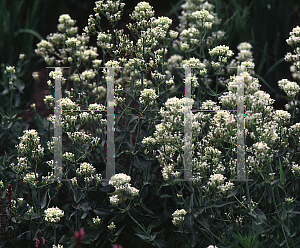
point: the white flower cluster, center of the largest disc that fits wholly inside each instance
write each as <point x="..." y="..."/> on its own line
<point x="29" y="143"/>
<point x="69" y="156"/>
<point x="148" y="96"/>
<point x="294" y="39"/>
<point x="114" y="200"/>
<point x="222" y="52"/>
<point x="73" y="42"/>
<point x="178" y="216"/>
<point x="217" y="181"/>
<point x="195" y="63"/>
<point x="174" y="61"/>
<point x="79" y="137"/>
<point x="215" y="36"/>
<point x="53" y="215"/>
<point x="169" y="172"/>
<point x="260" y="149"/>
<point x="162" y="22"/>
<point x="96" y="221"/>
<point x="9" y="69"/>
<point x="121" y="183"/>
<point x="22" y="165"/>
<point x="143" y="11"/>
<point x="100" y="92"/>
<point x="244" y="58"/>
<point x="295" y="168"/>
<point x="59" y="47"/>
<point x="111" y="226"/>
<point x="68" y="104"/>
<point x="282" y="117"/>
<point x="290" y="88"/>
<point x="58" y="246"/>
<point x="294" y="130"/>
<point x="212" y="246"/>
<point x="31" y="178"/>
<point x="112" y="10"/>
<point x="244" y="46"/>
<point x="48" y="100"/>
<point x="104" y="40"/>
<point x="87" y="171"/>
<point x="190" y="35"/>
<point x="204" y="18"/>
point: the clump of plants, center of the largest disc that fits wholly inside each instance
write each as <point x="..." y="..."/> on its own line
<point x="149" y="202"/>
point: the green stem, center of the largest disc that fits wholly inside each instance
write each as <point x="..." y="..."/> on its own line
<point x="273" y="197"/>
<point x="142" y="228"/>
<point x="55" y="235"/>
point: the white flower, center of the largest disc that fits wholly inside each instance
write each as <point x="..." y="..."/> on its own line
<point x="143" y="11"/>
<point x="173" y="34"/>
<point x="97" y="221"/>
<point x="67" y="104"/>
<point x="210" y="105"/>
<point x="178" y="216"/>
<point x="295" y="168"/>
<point x="79" y="136"/>
<point x="148" y="141"/>
<point x="73" y="42"/>
<point x="74" y="181"/>
<point x="192" y="62"/>
<point x="69" y="156"/>
<point x="31" y="178"/>
<point x="216" y="179"/>
<point x="119" y="179"/>
<point x="85" y="170"/>
<point x="9" y="69"/>
<point x="114" y="200"/>
<point x="111" y="226"/>
<point x="281" y="116"/>
<point x="148" y="95"/>
<point x="53" y="215"/>
<point x="162" y="21"/>
<point x="204" y="18"/>
<point x="223" y="52"/>
<point x="295" y="129"/>
<point x="58" y="246"/>
<point x="244" y="46"/>
<point x="290" y="88"/>
<point x="294" y="38"/>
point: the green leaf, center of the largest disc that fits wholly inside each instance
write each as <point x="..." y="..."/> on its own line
<point x="19" y="84"/>
<point x="30" y="31"/>
<point x="44" y="201"/>
<point x="282" y="176"/>
<point x="282" y="214"/>
<point x="102" y="212"/>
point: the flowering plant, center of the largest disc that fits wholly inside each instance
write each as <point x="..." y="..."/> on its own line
<point x="155" y="197"/>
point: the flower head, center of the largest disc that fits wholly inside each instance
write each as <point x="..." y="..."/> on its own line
<point x="178" y="216"/>
<point x="53" y="215"/>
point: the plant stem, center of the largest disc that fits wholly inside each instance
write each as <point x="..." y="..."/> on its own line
<point x="142" y="228"/>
